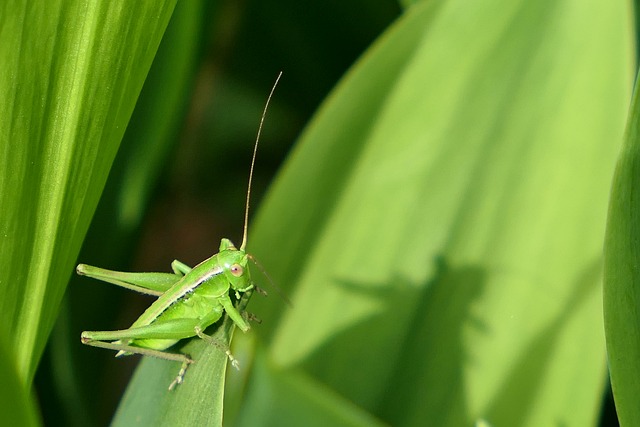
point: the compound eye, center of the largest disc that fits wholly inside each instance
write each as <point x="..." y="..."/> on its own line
<point x="237" y="270"/>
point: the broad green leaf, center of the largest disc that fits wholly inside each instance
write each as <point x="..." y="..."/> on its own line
<point x="621" y="276"/>
<point x="439" y="227"/>
<point x="71" y="74"/>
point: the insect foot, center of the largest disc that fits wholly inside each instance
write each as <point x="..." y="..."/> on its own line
<point x="183" y="370"/>
<point x="250" y="317"/>
<point x="234" y="361"/>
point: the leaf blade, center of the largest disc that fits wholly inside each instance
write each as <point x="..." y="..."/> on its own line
<point x="76" y="89"/>
<point x="470" y="188"/>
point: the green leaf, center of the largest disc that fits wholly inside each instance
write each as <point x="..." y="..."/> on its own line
<point x="298" y="397"/>
<point x="72" y="71"/>
<point x="18" y="409"/>
<point x="198" y="401"/>
<point x="150" y="135"/>
<point x="439" y="226"/>
<point x="622" y="276"/>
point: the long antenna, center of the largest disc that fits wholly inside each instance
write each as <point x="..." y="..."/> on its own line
<point x="253" y="160"/>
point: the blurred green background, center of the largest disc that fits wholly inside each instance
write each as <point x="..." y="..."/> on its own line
<point x="431" y="190"/>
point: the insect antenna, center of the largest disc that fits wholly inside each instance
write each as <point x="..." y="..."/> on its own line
<point x="253" y="160"/>
<point x="279" y="291"/>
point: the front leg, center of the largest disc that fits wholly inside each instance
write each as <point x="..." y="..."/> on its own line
<point x="233" y="313"/>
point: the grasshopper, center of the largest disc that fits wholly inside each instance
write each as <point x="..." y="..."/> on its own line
<point x="189" y="299"/>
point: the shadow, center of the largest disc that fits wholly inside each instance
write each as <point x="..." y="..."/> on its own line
<point x="405" y="362"/>
<point x="520" y="393"/>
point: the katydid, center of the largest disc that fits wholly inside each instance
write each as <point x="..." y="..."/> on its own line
<point x="189" y="299"/>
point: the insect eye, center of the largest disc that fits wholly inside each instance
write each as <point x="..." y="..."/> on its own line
<point x="237" y="270"/>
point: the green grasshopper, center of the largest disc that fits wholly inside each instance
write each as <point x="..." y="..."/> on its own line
<point x="189" y="299"/>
